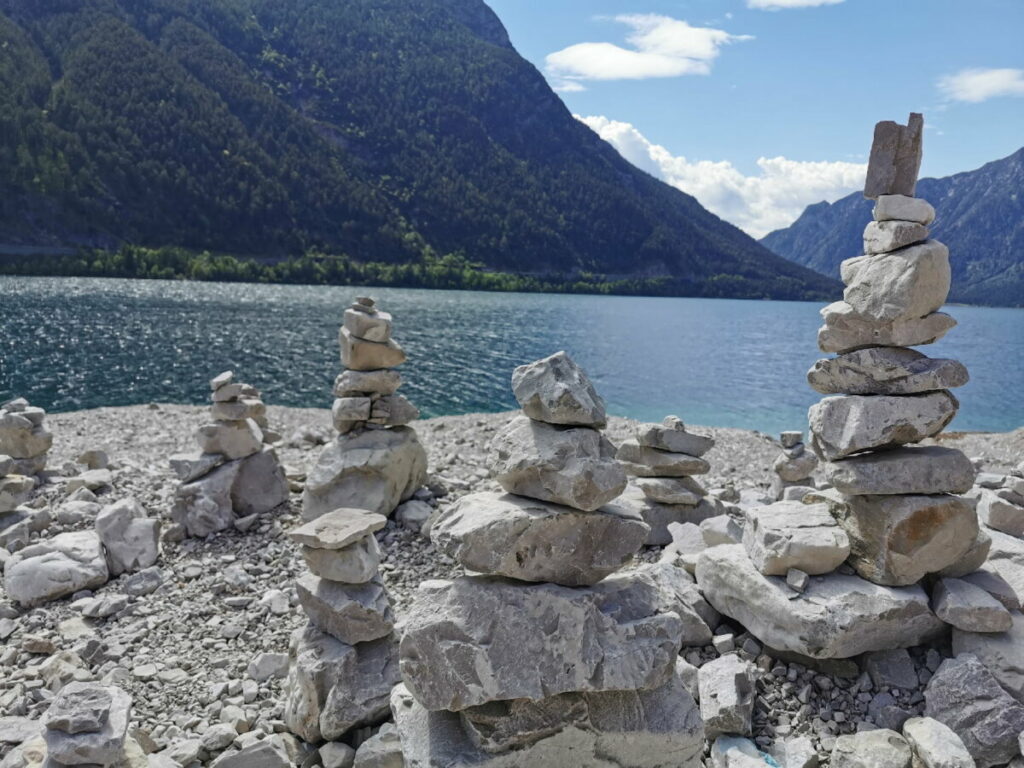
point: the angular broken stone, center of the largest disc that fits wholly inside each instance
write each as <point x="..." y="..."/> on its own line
<point x="847" y="331"/>
<point x="393" y="411"/>
<point x="79" y="708"/>
<point x="660" y="516"/>
<point x="964" y="695"/>
<point x="903" y="285"/>
<point x="903" y="208"/>
<point x="871" y="749"/>
<point x="352" y="613"/>
<point x="50" y="569"/>
<point x="21" y="437"/>
<point x="843" y="425"/>
<point x="382" y="381"/>
<point x="479" y="639"/>
<point x="221" y="380"/>
<point x="1000" y="514"/>
<point x="885" y="371"/>
<point x="555" y="390"/>
<point x="678" y="593"/>
<point x="969" y="608"/>
<point x="375" y="470"/>
<point x="530" y="540"/>
<point x="131" y="539"/>
<point x="192" y="466"/>
<point x="233" y="439"/>
<point x="657" y="728"/>
<point x="891" y="669"/>
<point x="642" y="461"/>
<point x="671" y="490"/>
<point x="898" y="540"/>
<point x="239" y="410"/>
<point x="895" y="158"/>
<point x="795" y="469"/>
<point x="727" y="694"/>
<point x="260" y="484"/>
<point x="356" y="563"/>
<point x="995" y="585"/>
<point x="886" y="236"/>
<point x="927" y="470"/>
<point x="838" y="616"/>
<point x="935" y="745"/>
<point x="333" y="687"/>
<point x="338" y="529"/>
<point x="1001" y="653"/>
<point x="790" y="534"/>
<point x="350" y="409"/>
<point x="573" y="466"/>
<point x="371" y="326"/>
<point x="15" y="491"/>
<point x="671" y="435"/>
<point x="85" y="745"/>
<point x="361" y="355"/>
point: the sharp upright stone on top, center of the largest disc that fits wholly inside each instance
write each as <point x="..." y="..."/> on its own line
<point x="895" y="158"/>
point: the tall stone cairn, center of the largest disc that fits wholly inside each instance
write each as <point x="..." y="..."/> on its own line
<point x="344" y="662"/>
<point x="662" y="460"/>
<point x="898" y="504"/>
<point x="236" y="474"/>
<point x="793" y="467"/>
<point x="377" y="461"/>
<point x="546" y="656"/>
<point x="24" y="437"/>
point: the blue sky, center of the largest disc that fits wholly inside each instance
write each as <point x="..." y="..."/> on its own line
<point x="759" y="112"/>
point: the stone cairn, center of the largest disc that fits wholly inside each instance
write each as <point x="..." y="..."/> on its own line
<point x="545" y="656"/>
<point x="236" y="475"/>
<point x="662" y="460"/>
<point x="376" y="462"/>
<point x="24" y="437"/>
<point x="87" y="724"/>
<point x="344" y="662"/>
<point x="793" y="468"/>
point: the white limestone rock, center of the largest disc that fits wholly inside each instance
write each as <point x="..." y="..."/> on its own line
<point x="921" y="470"/>
<point x="847" y="331"/>
<point x="838" y="616"/>
<point x="573" y="466"/>
<point x="350" y="409"/>
<point x="1001" y="653"/>
<point x="790" y="534"/>
<point x="903" y="208"/>
<point x="677" y="593"/>
<point x="843" y="425"/>
<point x="995" y="585"/>
<point x="51" y="569"/>
<point x="871" y="749"/>
<point x="795" y="469"/>
<point x="886" y="236"/>
<point x="671" y="490"/>
<point x="657" y="728"/>
<point x="904" y="285"/>
<point x="969" y="608"/>
<point x="21" y="436"/>
<point x="382" y="381"/>
<point x="338" y="529"/>
<point x="352" y="613"/>
<point x="374" y="470"/>
<point x="555" y="390"/>
<point x="192" y="466"/>
<point x="642" y="461"/>
<point x="333" y="687"/>
<point x="1000" y="514"/>
<point x="356" y="563"/>
<point x="477" y="639"/>
<point x="727" y="691"/>
<point x="935" y="745"/>
<point x="233" y="439"/>
<point x="362" y="355"/>
<point x="130" y="538"/>
<point x="15" y="490"/>
<point x="671" y="435"/>
<point x="87" y="724"/>
<point x="530" y="540"/>
<point x="260" y="485"/>
<point x="885" y="371"/>
<point x="393" y="411"/>
<point x="659" y="517"/>
<point x="370" y="326"/>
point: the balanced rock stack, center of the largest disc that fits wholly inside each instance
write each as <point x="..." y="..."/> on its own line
<point x="793" y="467"/>
<point x="344" y="662"/>
<point x="236" y="475"/>
<point x="541" y="657"/>
<point x="899" y="504"/>
<point x="663" y="459"/>
<point x="87" y="724"/>
<point x="24" y="437"/>
<point x="376" y="462"/>
<point x="15" y="490"/>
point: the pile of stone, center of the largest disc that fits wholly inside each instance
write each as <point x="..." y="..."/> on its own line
<point x="344" y="662"/>
<point x="545" y="656"/>
<point x="1001" y="501"/>
<point x="87" y="724"/>
<point x="376" y="462"/>
<point x="662" y="461"/>
<point x="236" y="475"/>
<point x="793" y="468"/>
<point x="24" y="437"/>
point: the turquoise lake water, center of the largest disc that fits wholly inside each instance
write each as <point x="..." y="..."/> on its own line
<point x="68" y="343"/>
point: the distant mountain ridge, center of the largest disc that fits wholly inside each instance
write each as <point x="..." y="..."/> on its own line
<point x="382" y="130"/>
<point x="979" y="215"/>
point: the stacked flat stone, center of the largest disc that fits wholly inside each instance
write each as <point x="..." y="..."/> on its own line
<point x="377" y="461"/>
<point x="87" y="724"/>
<point x="236" y="475"/>
<point x="24" y="437"/>
<point x="662" y="460"/>
<point x="544" y="656"/>
<point x="794" y="467"/>
<point x="344" y="662"/>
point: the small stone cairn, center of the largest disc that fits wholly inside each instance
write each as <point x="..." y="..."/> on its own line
<point x="662" y="460"/>
<point x="24" y="437"/>
<point x="545" y="656"/>
<point x="236" y="475"/>
<point x="344" y="662"/>
<point x="794" y="468"/>
<point x="1000" y="501"/>
<point x="376" y="462"/>
<point x="87" y="724"/>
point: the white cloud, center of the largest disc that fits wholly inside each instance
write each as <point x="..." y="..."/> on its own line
<point x="776" y="5"/>
<point x="757" y="204"/>
<point x="976" y="85"/>
<point x="661" y="47"/>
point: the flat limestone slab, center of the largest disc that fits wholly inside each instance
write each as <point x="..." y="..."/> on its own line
<point x="338" y="529"/>
<point x="885" y="371"/>
<point x="847" y="331"/>
<point x="925" y="470"/>
<point x="837" y="616"/>
<point x="790" y="534"/>
<point x="659" y="728"/>
<point x="506" y="535"/>
<point x="480" y="639"/>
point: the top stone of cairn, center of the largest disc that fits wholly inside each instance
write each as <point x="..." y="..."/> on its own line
<point x="555" y="390"/>
<point x="895" y="158"/>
